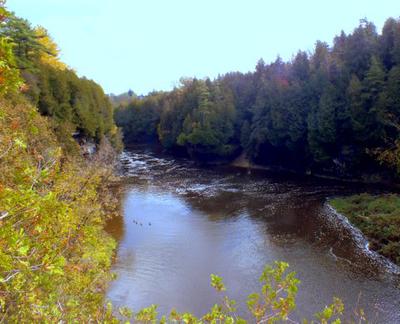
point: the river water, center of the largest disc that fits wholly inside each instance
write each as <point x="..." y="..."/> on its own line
<point x="182" y="222"/>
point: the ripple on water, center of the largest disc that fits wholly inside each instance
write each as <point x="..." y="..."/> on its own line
<point x="222" y="221"/>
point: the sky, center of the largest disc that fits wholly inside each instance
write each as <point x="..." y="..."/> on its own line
<point x="147" y="45"/>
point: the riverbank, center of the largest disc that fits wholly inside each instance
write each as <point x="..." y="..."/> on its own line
<point x="378" y="218"/>
<point x="243" y="162"/>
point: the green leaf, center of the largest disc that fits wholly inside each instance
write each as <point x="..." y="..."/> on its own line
<point x="23" y="250"/>
<point x="20" y="143"/>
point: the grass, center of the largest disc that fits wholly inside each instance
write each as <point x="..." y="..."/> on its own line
<point x="378" y="217"/>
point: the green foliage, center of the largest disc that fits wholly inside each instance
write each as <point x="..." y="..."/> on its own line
<point x="198" y="116"/>
<point x="139" y="118"/>
<point x="9" y="76"/>
<point x="147" y="315"/>
<point x="322" y="133"/>
<point x="331" y="314"/>
<point x="54" y="254"/>
<point x="10" y="80"/>
<point x="79" y="102"/>
<point x="378" y="218"/>
<point x="326" y="112"/>
<point x="273" y="304"/>
<point x="74" y="103"/>
<point x="216" y="282"/>
<point x="27" y="48"/>
<point x="277" y="299"/>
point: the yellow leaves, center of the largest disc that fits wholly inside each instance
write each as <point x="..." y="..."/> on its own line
<point x="20" y="143"/>
<point x="216" y="282"/>
<point x="51" y="242"/>
<point x="57" y="267"/>
<point x="51" y="54"/>
<point x="10" y="80"/>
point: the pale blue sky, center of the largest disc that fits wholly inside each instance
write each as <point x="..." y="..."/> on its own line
<point x="150" y="44"/>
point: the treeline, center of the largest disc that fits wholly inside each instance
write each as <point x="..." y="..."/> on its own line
<point x="334" y="111"/>
<point x="75" y="105"/>
<point x="139" y="118"/>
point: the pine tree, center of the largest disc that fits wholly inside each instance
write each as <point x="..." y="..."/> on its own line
<point x="322" y="126"/>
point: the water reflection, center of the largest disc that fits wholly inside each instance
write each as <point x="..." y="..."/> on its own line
<point x="182" y="223"/>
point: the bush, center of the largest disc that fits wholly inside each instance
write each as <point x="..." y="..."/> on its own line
<point x="378" y="217"/>
<point x="54" y="254"/>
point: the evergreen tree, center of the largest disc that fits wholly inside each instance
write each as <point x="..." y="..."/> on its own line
<point x="373" y="86"/>
<point x="328" y="110"/>
<point x="322" y="126"/>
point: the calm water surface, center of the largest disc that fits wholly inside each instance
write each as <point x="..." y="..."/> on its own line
<point x="182" y="222"/>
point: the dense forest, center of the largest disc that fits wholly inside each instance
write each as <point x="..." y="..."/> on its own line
<point x="334" y="111"/>
<point x="75" y="105"/>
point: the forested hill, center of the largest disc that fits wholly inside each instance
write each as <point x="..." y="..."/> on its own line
<point x="75" y="105"/>
<point x="333" y="111"/>
<point x="54" y="253"/>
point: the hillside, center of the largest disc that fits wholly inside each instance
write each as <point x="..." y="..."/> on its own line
<point x="54" y="253"/>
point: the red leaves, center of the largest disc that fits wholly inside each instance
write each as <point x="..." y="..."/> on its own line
<point x="15" y="124"/>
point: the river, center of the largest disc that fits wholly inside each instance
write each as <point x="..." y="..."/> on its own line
<point x="182" y="222"/>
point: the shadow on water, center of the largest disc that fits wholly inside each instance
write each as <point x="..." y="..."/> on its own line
<point x="182" y="222"/>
